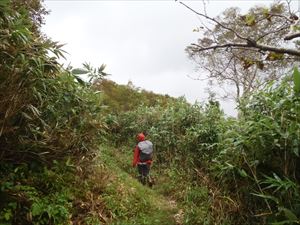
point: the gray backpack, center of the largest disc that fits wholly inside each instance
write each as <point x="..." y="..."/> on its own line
<point x="146" y="150"/>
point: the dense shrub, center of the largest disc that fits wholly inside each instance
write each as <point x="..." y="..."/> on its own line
<point x="260" y="155"/>
<point x="50" y="123"/>
<point x="180" y="131"/>
<point x="44" y="113"/>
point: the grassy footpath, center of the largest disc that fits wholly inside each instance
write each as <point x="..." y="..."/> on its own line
<point x="128" y="201"/>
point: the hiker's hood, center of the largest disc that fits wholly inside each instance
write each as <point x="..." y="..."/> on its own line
<point x="141" y="137"/>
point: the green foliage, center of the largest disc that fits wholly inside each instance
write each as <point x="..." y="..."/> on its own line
<point x="50" y="124"/>
<point x="197" y="205"/>
<point x="123" y="98"/>
<point x="7" y="213"/>
<point x="180" y="131"/>
<point x="93" y="74"/>
<point x="41" y="197"/>
<point x="296" y="76"/>
<point x="34" y="194"/>
<point x="54" y="208"/>
<point x="45" y="113"/>
<point x="250" y="20"/>
<point x="261" y="152"/>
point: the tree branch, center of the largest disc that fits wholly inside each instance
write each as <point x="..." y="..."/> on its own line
<point x="199" y="48"/>
<point x="292" y="36"/>
<point x="278" y="50"/>
<point x="274" y="31"/>
<point x="252" y="45"/>
<point x="215" y="21"/>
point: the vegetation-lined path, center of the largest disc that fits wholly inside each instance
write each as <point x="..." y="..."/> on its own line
<point x="131" y="202"/>
<point x="210" y="169"/>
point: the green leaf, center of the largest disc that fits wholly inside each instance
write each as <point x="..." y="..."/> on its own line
<point x="288" y="214"/>
<point x="267" y="197"/>
<point x="242" y="172"/>
<point x="266" y="11"/>
<point x="296" y="76"/>
<point x="37" y="209"/>
<point x="79" y="80"/>
<point x="7" y="215"/>
<point x="250" y="20"/>
<point x="79" y="71"/>
<point x="272" y="56"/>
<point x="4" y="3"/>
<point x="102" y="67"/>
<point x="295" y="28"/>
<point x="282" y="222"/>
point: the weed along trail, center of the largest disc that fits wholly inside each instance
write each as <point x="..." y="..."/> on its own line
<point x="128" y="201"/>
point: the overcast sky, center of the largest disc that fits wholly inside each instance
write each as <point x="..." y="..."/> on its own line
<point x="140" y="41"/>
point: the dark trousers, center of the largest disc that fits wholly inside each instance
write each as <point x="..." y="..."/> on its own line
<point x="143" y="170"/>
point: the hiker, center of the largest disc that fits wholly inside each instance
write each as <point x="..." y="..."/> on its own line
<point x="143" y="158"/>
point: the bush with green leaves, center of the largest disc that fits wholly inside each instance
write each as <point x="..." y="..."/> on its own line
<point x="180" y="131"/>
<point x="47" y="117"/>
<point x="259" y="154"/>
<point x="45" y="113"/>
<point x="42" y="196"/>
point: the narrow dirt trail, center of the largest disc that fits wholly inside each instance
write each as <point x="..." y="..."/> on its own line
<point x="178" y="217"/>
<point x="134" y="203"/>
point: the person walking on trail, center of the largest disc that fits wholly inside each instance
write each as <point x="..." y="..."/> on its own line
<point x="143" y="158"/>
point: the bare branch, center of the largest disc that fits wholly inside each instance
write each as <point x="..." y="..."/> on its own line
<point x="288" y="2"/>
<point x="206" y="27"/>
<point x="204" y="7"/>
<point x="270" y="15"/>
<point x="273" y="32"/>
<point x="198" y="78"/>
<point x="278" y="50"/>
<point x="198" y="48"/>
<point x="252" y="45"/>
<point x="281" y="16"/>
<point x="214" y="20"/>
<point x="292" y="36"/>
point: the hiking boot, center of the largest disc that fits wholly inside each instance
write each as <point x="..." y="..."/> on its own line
<point x="150" y="181"/>
<point x="143" y="180"/>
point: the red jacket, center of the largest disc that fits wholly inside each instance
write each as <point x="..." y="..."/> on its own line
<point x="136" y="154"/>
